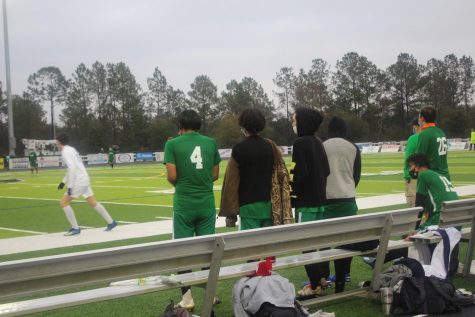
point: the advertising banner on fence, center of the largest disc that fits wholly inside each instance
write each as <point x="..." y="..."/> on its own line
<point x="144" y="156"/>
<point x="100" y="158"/>
<point x="124" y="158"/>
<point x="41" y="147"/>
<point x="225" y="153"/>
<point x="159" y="156"/>
<point x="48" y="161"/>
<point x="370" y="149"/>
<point x="19" y="163"/>
<point x="457" y="145"/>
<point x="390" y="148"/>
<point x="2" y="163"/>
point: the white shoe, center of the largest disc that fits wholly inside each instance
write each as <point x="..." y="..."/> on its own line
<point x="187" y="301"/>
<point x="321" y="313"/>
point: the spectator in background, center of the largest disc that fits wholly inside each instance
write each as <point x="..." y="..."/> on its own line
<point x="472" y="139"/>
<point x="410" y="183"/>
<point x="309" y="172"/>
<point x="432" y="142"/>
<point x="192" y="163"/>
<point x="345" y="172"/>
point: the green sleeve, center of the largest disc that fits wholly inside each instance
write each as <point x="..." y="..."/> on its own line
<point x="422" y="185"/>
<point x="169" y="153"/>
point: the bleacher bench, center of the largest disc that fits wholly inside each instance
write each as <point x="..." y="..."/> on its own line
<point x="219" y="252"/>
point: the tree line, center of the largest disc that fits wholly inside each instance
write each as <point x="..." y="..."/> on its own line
<point x="103" y="104"/>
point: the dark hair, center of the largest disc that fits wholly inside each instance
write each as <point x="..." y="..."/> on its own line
<point x="252" y="120"/>
<point x="189" y="120"/>
<point x="429" y="114"/>
<point x="419" y="160"/>
<point x="337" y="128"/>
<point x="415" y="121"/>
<point x="63" y="138"/>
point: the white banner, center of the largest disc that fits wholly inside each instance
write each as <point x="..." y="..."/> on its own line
<point x="457" y="145"/>
<point x="225" y="153"/>
<point x="124" y="158"/>
<point x="390" y="148"/>
<point x="370" y="149"/>
<point x="41" y="147"/>
<point x="48" y="161"/>
<point x="159" y="156"/>
<point x="99" y="158"/>
<point x="19" y="163"/>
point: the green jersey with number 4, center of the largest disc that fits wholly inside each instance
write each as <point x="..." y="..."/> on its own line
<point x="194" y="156"/>
<point x="437" y="189"/>
<point x="433" y="143"/>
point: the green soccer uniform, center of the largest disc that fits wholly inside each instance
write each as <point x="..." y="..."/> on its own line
<point x="33" y="160"/>
<point x="433" y="143"/>
<point x="195" y="157"/>
<point x="341" y="209"/>
<point x="111" y="156"/>
<point x="411" y="145"/>
<point x="305" y="214"/>
<point x="436" y="189"/>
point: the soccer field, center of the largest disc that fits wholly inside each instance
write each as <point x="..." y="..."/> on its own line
<point x="141" y="193"/>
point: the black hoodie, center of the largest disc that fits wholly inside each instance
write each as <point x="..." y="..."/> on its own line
<point x="310" y="169"/>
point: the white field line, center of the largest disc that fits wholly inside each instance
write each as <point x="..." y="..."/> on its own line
<point x="166" y="218"/>
<point x="20" y="230"/>
<point x="128" y="222"/>
<point x="80" y="201"/>
<point x="99" y="186"/>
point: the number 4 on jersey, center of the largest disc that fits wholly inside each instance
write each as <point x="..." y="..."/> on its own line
<point x="196" y="158"/>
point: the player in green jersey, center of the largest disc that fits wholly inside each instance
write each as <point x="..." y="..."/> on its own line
<point x="432" y="189"/>
<point x="411" y="145"/>
<point x="192" y="162"/>
<point x="432" y="142"/>
<point x="111" y="157"/>
<point x="472" y="139"/>
<point x="33" y="161"/>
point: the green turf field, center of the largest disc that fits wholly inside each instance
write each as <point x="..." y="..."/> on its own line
<point x="141" y="193"/>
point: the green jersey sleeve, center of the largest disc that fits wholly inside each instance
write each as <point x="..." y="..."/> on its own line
<point x="217" y="157"/>
<point x="169" y="153"/>
<point x="422" y="187"/>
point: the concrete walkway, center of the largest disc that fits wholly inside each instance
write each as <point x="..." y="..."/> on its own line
<point x="147" y="229"/>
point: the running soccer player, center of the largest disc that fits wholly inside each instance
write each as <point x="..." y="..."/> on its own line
<point x="33" y="161"/>
<point x="432" y="142"/>
<point x="192" y="163"/>
<point x="78" y="183"/>
<point x="111" y="157"/>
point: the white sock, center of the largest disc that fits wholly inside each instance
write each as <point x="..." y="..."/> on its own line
<point x="103" y="212"/>
<point x="69" y="212"/>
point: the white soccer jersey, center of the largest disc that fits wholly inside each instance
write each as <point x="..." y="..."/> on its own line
<point x="76" y="175"/>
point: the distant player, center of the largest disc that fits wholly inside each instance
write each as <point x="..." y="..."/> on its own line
<point x="472" y="139"/>
<point x="432" y="142"/>
<point x="192" y="162"/>
<point x="33" y="161"/>
<point x="78" y="183"/>
<point x="111" y="157"/>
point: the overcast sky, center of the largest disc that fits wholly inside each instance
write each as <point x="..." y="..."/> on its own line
<point x="228" y="39"/>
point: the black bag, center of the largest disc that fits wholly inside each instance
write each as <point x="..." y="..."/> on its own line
<point x="172" y="311"/>
<point x="439" y="296"/>
<point x="270" y="310"/>
<point x="412" y="297"/>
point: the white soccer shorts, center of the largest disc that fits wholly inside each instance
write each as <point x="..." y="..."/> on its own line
<point x="84" y="191"/>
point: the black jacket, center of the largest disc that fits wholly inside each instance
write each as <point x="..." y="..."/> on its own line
<point x="310" y="169"/>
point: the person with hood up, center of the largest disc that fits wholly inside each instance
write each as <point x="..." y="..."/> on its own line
<point x="308" y="178"/>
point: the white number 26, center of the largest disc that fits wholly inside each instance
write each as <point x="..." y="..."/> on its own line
<point x="196" y="158"/>
<point x="442" y="145"/>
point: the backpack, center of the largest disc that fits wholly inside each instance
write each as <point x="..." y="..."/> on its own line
<point x="439" y="296"/>
<point x="427" y="295"/>
<point x="269" y="310"/>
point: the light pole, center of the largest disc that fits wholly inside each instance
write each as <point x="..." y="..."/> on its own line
<point x="11" y="136"/>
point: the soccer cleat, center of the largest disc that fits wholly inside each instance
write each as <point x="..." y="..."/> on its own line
<point x="308" y="292"/>
<point x="187" y="301"/>
<point x="111" y="226"/>
<point x="73" y="232"/>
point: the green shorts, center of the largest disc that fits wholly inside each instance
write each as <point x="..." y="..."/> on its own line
<point x="337" y="210"/>
<point x="255" y="215"/>
<point x="305" y="214"/>
<point x="193" y="223"/>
